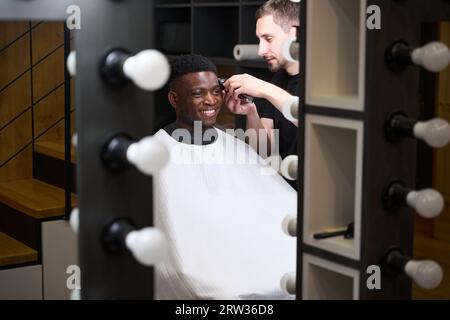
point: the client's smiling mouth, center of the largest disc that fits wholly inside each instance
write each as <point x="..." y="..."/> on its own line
<point x="209" y="112"/>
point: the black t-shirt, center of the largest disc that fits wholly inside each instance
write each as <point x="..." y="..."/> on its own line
<point x="287" y="130"/>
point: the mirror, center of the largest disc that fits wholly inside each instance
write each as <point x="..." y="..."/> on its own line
<point x="37" y="175"/>
<point x="431" y="236"/>
<point x="223" y="208"/>
<point x="38" y="249"/>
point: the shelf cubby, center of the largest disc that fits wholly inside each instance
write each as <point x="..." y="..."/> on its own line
<point x="220" y="3"/>
<point x="248" y="35"/>
<point x="325" y="280"/>
<point x="209" y="36"/>
<point x="333" y="167"/>
<point x="335" y="54"/>
<point x="260" y="73"/>
<point x="174" y="30"/>
<point x="253" y="2"/>
<point x="172" y="2"/>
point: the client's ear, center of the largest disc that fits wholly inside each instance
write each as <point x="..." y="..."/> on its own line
<point x="173" y="99"/>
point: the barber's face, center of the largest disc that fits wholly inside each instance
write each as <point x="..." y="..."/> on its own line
<point x="198" y="97"/>
<point x="271" y="39"/>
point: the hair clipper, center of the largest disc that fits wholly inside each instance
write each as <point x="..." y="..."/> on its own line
<point x="244" y="98"/>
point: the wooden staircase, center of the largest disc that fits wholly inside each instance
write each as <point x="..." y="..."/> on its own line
<point x="49" y="165"/>
<point x="34" y="198"/>
<point x="53" y="149"/>
<point x="36" y="244"/>
<point x="25" y="203"/>
<point x="13" y="252"/>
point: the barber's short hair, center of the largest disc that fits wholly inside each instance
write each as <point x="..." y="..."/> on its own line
<point x="285" y="13"/>
<point x="190" y="63"/>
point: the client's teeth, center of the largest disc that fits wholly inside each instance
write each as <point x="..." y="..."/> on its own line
<point x="209" y="112"/>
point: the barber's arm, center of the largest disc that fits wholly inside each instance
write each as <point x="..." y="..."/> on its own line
<point x="236" y="106"/>
<point x="247" y="84"/>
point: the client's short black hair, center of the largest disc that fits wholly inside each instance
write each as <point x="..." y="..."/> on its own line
<point x="190" y="63"/>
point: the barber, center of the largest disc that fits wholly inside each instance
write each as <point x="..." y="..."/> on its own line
<point x="276" y="22"/>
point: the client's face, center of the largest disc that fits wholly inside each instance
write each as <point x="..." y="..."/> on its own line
<point x="199" y="98"/>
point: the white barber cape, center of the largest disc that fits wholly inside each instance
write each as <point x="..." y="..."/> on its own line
<point x="222" y="210"/>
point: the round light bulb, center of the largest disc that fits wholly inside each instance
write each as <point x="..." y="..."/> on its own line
<point x="72" y="63"/>
<point x="149" y="69"/>
<point x="148" y="155"/>
<point x="289" y="225"/>
<point x="75" y="294"/>
<point x="148" y="246"/>
<point x="288" y="54"/>
<point x="427" y="274"/>
<point x="428" y="203"/>
<point x="290" y="108"/>
<point x="435" y="132"/>
<point x="75" y="140"/>
<point x="434" y="56"/>
<point x="287" y="283"/>
<point x="288" y="167"/>
<point x="74" y="220"/>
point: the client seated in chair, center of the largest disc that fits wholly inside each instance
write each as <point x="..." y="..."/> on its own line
<point x="219" y="204"/>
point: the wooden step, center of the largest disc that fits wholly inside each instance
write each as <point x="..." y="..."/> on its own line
<point x="53" y="149"/>
<point x="13" y="252"/>
<point x="34" y="198"/>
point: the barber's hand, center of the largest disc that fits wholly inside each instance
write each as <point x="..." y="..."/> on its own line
<point x="236" y="106"/>
<point x="246" y="84"/>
